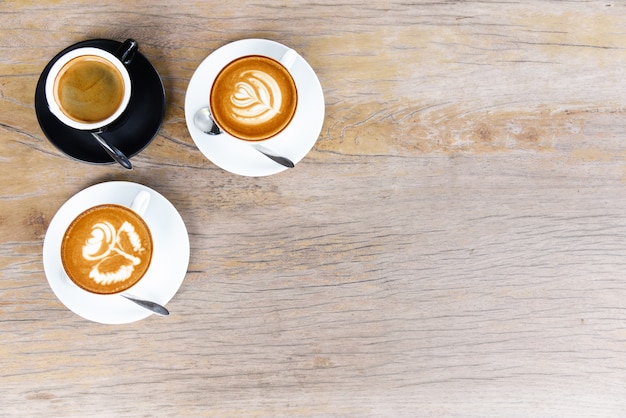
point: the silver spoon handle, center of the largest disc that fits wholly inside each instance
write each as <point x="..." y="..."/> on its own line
<point x="276" y="158"/>
<point x="204" y="121"/>
<point x="280" y="160"/>
<point x="113" y="152"/>
<point x="151" y="306"/>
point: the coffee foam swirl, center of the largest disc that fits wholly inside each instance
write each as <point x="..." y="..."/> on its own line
<point x="253" y="98"/>
<point x="256" y="99"/>
<point x="105" y="245"/>
<point x="106" y="249"/>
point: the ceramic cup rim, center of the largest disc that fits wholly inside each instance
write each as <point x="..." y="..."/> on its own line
<point x="75" y="218"/>
<point x="61" y="62"/>
<point x="276" y="60"/>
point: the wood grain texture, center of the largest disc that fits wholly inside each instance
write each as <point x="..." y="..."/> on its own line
<point x="452" y="246"/>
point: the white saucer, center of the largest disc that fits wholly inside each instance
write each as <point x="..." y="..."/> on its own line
<point x="169" y="260"/>
<point x="235" y="155"/>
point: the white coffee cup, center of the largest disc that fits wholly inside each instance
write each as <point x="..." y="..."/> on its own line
<point x="76" y="61"/>
<point x="245" y="100"/>
<point x="97" y="236"/>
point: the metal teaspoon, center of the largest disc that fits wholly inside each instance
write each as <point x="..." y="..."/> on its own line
<point x="113" y="152"/>
<point x="151" y="306"/>
<point x="203" y="121"/>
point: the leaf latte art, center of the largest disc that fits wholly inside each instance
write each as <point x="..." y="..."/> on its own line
<point x="257" y="98"/>
<point x="253" y="98"/>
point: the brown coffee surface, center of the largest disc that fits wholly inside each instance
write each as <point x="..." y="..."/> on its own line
<point x="106" y="249"/>
<point x="253" y="98"/>
<point x="89" y="89"/>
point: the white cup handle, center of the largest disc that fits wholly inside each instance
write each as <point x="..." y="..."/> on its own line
<point x="141" y="202"/>
<point x="288" y="58"/>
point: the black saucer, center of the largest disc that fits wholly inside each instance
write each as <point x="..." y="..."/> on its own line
<point x="131" y="134"/>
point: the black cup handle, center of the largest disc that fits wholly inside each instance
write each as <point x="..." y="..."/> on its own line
<point x="126" y="51"/>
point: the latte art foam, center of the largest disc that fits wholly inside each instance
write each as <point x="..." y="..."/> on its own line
<point x="257" y="99"/>
<point x="106" y="249"/>
<point x="253" y="98"/>
<point x="104" y="244"/>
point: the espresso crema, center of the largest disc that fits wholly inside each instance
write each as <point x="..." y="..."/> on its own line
<point x="253" y="98"/>
<point x="89" y="89"/>
<point x="106" y="249"/>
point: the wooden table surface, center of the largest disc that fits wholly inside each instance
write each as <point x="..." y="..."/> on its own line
<point x="453" y="245"/>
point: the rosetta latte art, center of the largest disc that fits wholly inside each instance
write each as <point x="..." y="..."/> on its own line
<point x="253" y="98"/>
<point x="105" y="244"/>
<point x="256" y="99"/>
